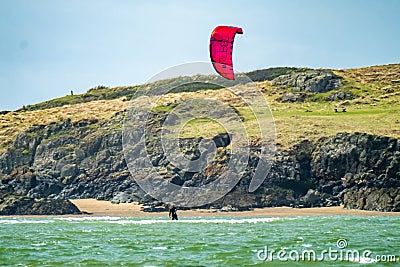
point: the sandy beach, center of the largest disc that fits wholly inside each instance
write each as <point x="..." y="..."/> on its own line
<point x="95" y="207"/>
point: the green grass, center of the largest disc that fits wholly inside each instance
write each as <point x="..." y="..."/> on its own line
<point x="371" y="110"/>
<point x="164" y="108"/>
<point x="201" y="127"/>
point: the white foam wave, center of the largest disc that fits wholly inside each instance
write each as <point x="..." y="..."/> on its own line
<point x="204" y="220"/>
<point x="89" y="218"/>
<point x="38" y="244"/>
<point x="159" y="248"/>
<point x="26" y="221"/>
<point x="119" y="220"/>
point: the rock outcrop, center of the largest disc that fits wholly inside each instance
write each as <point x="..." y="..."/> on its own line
<point x="303" y="84"/>
<point x="23" y="205"/>
<point x="316" y="81"/>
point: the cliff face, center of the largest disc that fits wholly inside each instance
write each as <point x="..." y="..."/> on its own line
<point x="85" y="160"/>
<point x="363" y="169"/>
<point x="71" y="147"/>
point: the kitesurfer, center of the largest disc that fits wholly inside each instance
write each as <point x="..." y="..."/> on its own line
<point x="172" y="213"/>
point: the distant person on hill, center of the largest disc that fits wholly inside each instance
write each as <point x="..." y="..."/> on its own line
<point x="172" y="213"/>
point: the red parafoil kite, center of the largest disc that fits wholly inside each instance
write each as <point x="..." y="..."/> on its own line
<point x="221" y="45"/>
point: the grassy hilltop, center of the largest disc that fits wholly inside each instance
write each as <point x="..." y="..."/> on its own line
<point x="370" y="95"/>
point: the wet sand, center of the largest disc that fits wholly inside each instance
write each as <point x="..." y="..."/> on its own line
<point x="105" y="208"/>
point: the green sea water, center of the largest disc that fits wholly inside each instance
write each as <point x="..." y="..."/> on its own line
<point x="113" y="241"/>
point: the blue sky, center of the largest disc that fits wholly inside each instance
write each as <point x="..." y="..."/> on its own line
<point x="48" y="48"/>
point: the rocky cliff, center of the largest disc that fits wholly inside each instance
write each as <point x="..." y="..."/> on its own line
<point x="86" y="160"/>
<point x="71" y="147"/>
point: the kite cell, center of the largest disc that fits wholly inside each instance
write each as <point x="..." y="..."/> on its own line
<point x="221" y="45"/>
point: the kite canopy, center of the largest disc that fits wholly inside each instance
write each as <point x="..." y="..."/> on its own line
<point x="221" y="45"/>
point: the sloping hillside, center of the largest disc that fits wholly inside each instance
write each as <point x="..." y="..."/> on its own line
<point x="368" y="94"/>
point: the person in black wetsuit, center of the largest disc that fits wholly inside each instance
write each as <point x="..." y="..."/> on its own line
<point x="172" y="213"/>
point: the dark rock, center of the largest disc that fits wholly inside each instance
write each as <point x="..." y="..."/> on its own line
<point x="69" y="170"/>
<point x="228" y="208"/>
<point x="339" y="96"/>
<point x="23" y="205"/>
<point x="312" y="199"/>
<point x="291" y="97"/>
<point x="222" y="140"/>
<point x="19" y="181"/>
<point x="153" y="208"/>
<point x="382" y="199"/>
<point x="124" y="197"/>
<point x="276" y="197"/>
